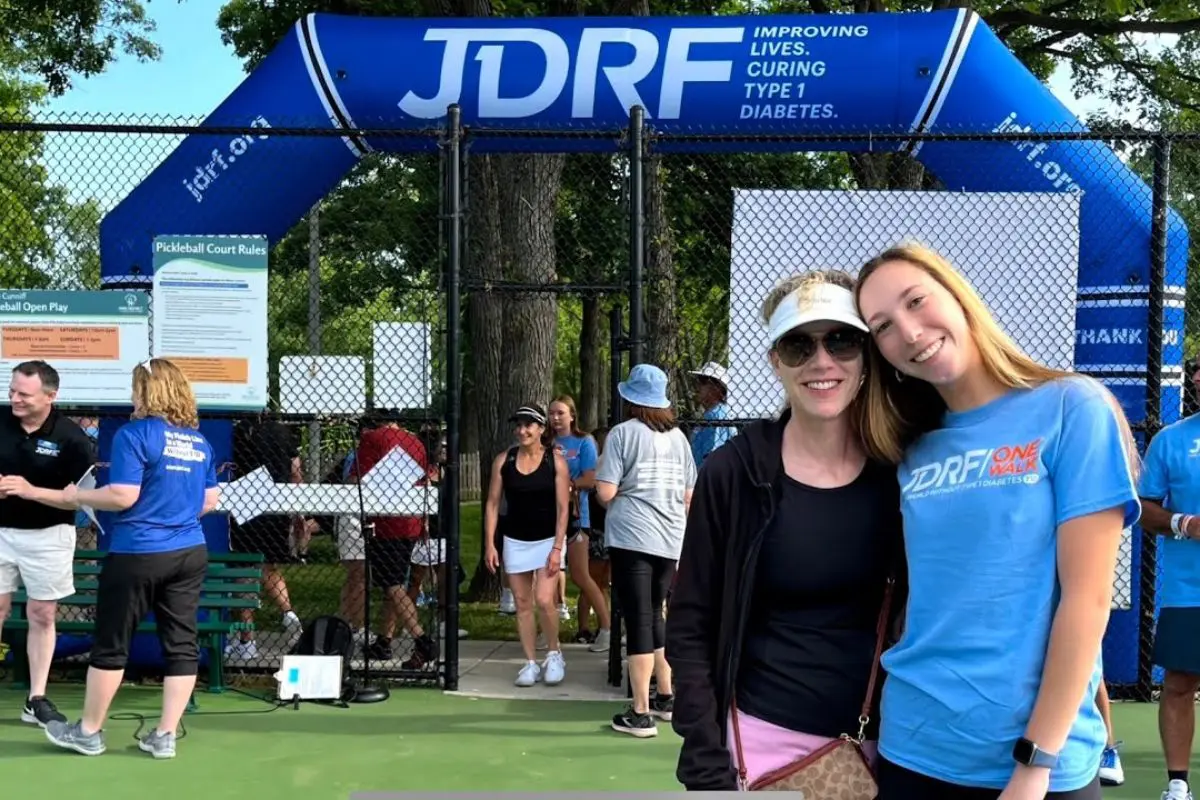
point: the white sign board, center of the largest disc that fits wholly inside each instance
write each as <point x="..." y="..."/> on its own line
<point x="322" y="385"/>
<point x="210" y="316"/>
<point x="93" y="339"/>
<point x="401" y="365"/>
<point x="1019" y="250"/>
<point x="390" y="489"/>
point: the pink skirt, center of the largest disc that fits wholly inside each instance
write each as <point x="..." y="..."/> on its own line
<point x="769" y="747"/>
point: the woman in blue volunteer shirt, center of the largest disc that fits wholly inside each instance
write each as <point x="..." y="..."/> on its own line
<point x="162" y="479"/>
<point x="1015" y="486"/>
<point x="579" y="450"/>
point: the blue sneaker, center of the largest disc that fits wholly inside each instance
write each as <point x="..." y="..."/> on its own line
<point x="1111" y="773"/>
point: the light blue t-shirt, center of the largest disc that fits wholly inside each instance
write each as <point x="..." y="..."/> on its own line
<point x="580" y="455"/>
<point x="1171" y="474"/>
<point x="710" y="437"/>
<point x="173" y="466"/>
<point x="982" y="500"/>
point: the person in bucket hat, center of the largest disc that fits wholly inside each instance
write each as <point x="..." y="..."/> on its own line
<point x="645" y="479"/>
<point x="712" y="390"/>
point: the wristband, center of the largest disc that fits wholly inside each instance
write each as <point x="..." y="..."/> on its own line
<point x="1179" y="523"/>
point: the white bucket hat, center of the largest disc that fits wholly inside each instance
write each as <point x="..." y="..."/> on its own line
<point x="712" y="370"/>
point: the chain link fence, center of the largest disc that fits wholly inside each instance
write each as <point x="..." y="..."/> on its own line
<point x="429" y="294"/>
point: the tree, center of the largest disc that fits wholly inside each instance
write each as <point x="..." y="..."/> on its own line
<point x="63" y="38"/>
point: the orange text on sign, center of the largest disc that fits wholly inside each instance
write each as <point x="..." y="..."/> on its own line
<point x="213" y="370"/>
<point x="60" y="342"/>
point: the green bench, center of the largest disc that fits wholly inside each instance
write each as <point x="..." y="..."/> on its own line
<point x="233" y="583"/>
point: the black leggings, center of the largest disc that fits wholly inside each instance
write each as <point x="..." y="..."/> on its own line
<point x="640" y="582"/>
<point x="132" y="584"/>
<point x="898" y="783"/>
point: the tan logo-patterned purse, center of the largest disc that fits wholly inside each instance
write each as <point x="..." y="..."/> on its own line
<point x="837" y="771"/>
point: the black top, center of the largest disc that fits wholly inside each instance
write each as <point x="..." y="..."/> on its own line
<point x="265" y="443"/>
<point x="736" y="500"/>
<point x="596" y="512"/>
<point x="56" y="454"/>
<point x="821" y="575"/>
<point x="532" y="507"/>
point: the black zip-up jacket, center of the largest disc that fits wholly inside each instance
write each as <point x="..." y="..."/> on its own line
<point x="735" y="499"/>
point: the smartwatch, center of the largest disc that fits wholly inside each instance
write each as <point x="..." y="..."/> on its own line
<point x="1027" y="753"/>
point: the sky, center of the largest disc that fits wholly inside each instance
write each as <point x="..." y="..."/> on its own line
<point x="195" y="73"/>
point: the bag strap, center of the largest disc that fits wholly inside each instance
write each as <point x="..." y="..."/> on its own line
<point x="880" y="635"/>
<point x="881" y="627"/>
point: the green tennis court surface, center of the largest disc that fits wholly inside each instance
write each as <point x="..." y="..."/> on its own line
<point x="420" y="739"/>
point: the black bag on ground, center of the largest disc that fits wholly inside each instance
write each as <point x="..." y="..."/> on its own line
<point x="326" y="636"/>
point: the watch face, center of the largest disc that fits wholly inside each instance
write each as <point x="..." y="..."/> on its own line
<point x="1023" y="751"/>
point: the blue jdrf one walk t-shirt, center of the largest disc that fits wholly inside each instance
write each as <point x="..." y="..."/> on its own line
<point x="173" y="466"/>
<point x="1171" y="475"/>
<point x="580" y="454"/>
<point x="982" y="500"/>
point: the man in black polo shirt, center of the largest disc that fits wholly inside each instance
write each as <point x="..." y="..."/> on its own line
<point x="41" y="452"/>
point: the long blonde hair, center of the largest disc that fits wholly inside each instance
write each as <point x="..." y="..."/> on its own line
<point x="808" y="281"/>
<point x="162" y="390"/>
<point x="897" y="414"/>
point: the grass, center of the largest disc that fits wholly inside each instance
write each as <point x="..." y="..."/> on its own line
<point x="418" y="740"/>
<point x="314" y="587"/>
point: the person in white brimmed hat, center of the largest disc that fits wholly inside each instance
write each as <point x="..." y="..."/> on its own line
<point x="645" y="480"/>
<point x="712" y="390"/>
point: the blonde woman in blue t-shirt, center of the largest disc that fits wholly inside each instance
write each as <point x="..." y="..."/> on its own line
<point x="1015" y="487"/>
<point x="162" y="479"/>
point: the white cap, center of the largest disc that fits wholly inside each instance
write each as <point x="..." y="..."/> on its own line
<point x="712" y="370"/>
<point x="822" y="302"/>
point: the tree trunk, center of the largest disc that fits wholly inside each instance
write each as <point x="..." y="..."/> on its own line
<point x="887" y="171"/>
<point x="662" y="322"/>
<point x="589" y="364"/>
<point x="485" y="313"/>
<point x="529" y="200"/>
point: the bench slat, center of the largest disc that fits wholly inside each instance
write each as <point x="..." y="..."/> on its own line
<point x="231" y="587"/>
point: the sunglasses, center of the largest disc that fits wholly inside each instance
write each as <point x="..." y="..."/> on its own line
<point x="843" y="344"/>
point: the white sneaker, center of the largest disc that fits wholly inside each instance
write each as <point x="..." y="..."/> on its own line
<point x="555" y="667"/>
<point x="238" y="650"/>
<point x="1111" y="772"/>
<point x="602" y="642"/>
<point x="530" y="674"/>
<point x="1177" y="790"/>
<point x="508" y="605"/>
<point x="564" y="613"/>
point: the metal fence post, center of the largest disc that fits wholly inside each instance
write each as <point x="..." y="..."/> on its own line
<point x="637" y="233"/>
<point x="450" y="476"/>
<point x="1153" y="422"/>
<point x="617" y="343"/>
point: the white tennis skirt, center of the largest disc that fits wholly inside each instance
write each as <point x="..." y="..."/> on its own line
<point x="526" y="556"/>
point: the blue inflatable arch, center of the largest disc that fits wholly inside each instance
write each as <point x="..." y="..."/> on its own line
<point x="943" y="71"/>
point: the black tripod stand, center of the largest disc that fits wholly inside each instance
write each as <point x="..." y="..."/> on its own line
<point x="364" y="691"/>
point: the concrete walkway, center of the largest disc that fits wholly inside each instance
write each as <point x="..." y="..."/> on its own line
<point x="488" y="669"/>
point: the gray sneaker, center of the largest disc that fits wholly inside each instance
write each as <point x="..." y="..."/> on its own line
<point x="72" y="737"/>
<point x="158" y="744"/>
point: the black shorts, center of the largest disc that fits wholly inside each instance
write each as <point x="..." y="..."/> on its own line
<point x="897" y="783"/>
<point x="597" y="549"/>
<point x="269" y="535"/>
<point x="391" y="562"/>
<point x="1176" y="643"/>
<point x="132" y="584"/>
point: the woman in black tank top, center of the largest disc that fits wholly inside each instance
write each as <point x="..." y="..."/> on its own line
<point x="535" y="484"/>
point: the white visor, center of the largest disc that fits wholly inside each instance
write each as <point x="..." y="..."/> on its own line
<point x="823" y="302"/>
